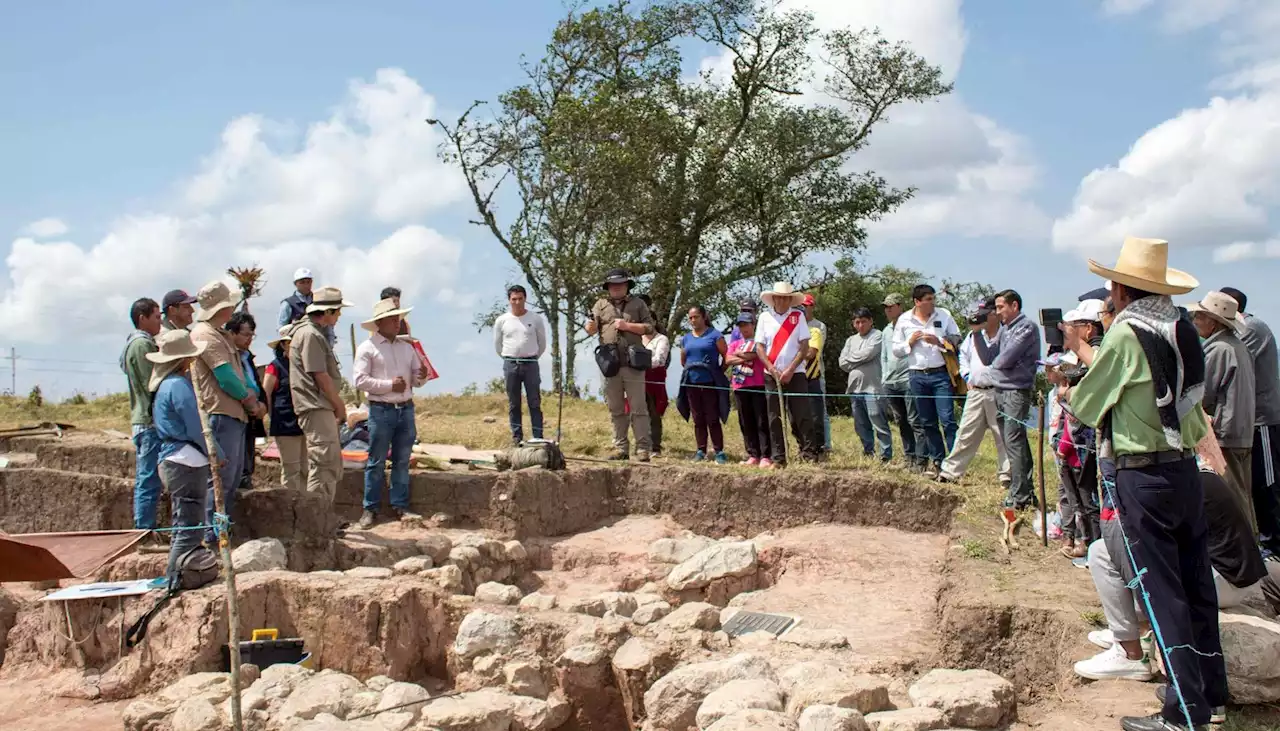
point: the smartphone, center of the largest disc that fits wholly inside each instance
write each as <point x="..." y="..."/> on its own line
<point x="1050" y="318"/>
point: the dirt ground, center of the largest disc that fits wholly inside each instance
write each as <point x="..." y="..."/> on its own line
<point x="27" y="705"/>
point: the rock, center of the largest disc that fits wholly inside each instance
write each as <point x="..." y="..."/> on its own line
<point x="737" y="695"/>
<point x="483" y="710"/>
<point x="386" y="721"/>
<point x="413" y="565"/>
<point x="636" y="666"/>
<point x="814" y="639"/>
<point x="593" y="607"/>
<point x="968" y="698"/>
<point x="677" y="550"/>
<point x="831" y="718"/>
<point x="378" y="683"/>
<point x="819" y="684"/>
<point x="718" y="561"/>
<point x="515" y="552"/>
<point x="284" y="676"/>
<point x="531" y="714"/>
<point x="196" y="714"/>
<point x="368" y="572"/>
<point x="650" y="612"/>
<point x="694" y="615"/>
<point x="481" y="632"/>
<point x="672" y="702"/>
<point x="621" y="603"/>
<point x="466" y="558"/>
<point x="908" y="719"/>
<point x="364" y="702"/>
<point x="524" y="678"/>
<point x="261" y="554"/>
<point x="495" y="593"/>
<point x="146" y="714"/>
<point x="754" y="719"/>
<point x="757" y="640"/>
<point x="436" y="547"/>
<point x="558" y="710"/>
<point x="538" y="601"/>
<point x="321" y="693"/>
<point x="397" y="695"/>
<point x="449" y="578"/>
<point x="727" y="614"/>
<point x="249" y="674"/>
<point x="213" y="687"/>
<point x="1251" y="647"/>
<point x="583" y="656"/>
<point x="652" y="588"/>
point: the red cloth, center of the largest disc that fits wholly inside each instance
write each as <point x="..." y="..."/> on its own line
<point x="655" y="385"/>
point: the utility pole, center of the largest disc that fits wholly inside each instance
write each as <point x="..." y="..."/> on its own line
<point x="13" y="371"/>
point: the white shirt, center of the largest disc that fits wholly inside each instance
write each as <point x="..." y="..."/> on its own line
<point x="660" y="346"/>
<point x="379" y="361"/>
<point x="188" y="456"/>
<point x="767" y="328"/>
<point x="971" y="367"/>
<point x="923" y="355"/>
<point x="519" y="337"/>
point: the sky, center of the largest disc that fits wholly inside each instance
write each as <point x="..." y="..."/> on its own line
<point x="150" y="145"/>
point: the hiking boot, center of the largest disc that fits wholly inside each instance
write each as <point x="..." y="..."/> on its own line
<point x="618" y="457"/>
<point x="1217" y="714"/>
<point x="405" y="514"/>
<point x="1114" y="664"/>
<point x="1155" y="723"/>
<point x="154" y="543"/>
<point x="931" y="472"/>
<point x="367" y="519"/>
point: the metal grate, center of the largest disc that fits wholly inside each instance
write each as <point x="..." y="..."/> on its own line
<point x="745" y="622"/>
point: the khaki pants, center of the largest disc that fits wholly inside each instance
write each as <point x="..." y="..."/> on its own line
<point x="324" y="452"/>
<point x="979" y="417"/>
<point x="628" y="387"/>
<point x="293" y="462"/>
<point x="1240" y="477"/>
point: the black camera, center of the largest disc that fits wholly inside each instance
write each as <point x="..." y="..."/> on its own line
<point x="1050" y="319"/>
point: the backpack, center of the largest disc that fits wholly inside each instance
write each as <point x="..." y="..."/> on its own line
<point x="546" y="455"/>
<point x="196" y="568"/>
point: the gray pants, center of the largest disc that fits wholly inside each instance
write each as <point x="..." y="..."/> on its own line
<point x="228" y="433"/>
<point x="628" y="388"/>
<point x="523" y="375"/>
<point x="902" y="411"/>
<point x="1015" y="408"/>
<point x="187" y="488"/>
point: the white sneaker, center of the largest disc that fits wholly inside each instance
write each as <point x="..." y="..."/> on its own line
<point x="1102" y="638"/>
<point x="1113" y="664"/>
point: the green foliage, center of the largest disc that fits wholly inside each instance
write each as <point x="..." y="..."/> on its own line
<point x="35" y="399"/>
<point x="77" y="399"/>
<point x="495" y="387"/>
<point x="975" y="549"/>
<point x="470" y="389"/>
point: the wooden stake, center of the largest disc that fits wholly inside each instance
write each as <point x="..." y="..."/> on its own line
<point x="353" y="359"/>
<point x="1044" y="507"/>
<point x="228" y="571"/>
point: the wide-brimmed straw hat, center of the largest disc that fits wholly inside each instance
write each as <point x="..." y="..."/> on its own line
<point x="1144" y="264"/>
<point x="1222" y="308"/>
<point x="782" y="290"/>
<point x="381" y="311"/>
<point x="215" y="297"/>
<point x="286" y="333"/>
<point x="327" y="298"/>
<point x="174" y="346"/>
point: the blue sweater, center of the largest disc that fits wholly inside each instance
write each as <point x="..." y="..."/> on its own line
<point x="1014" y="366"/>
<point x="176" y="417"/>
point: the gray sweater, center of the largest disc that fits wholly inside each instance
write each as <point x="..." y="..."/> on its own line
<point x="1013" y="368"/>
<point x="860" y="358"/>
<point x="1261" y="343"/>
<point x="1229" y="396"/>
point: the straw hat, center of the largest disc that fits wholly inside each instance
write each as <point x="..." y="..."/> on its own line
<point x="1221" y="308"/>
<point x="782" y="290"/>
<point x="1144" y="264"/>
<point x="215" y="297"/>
<point x="174" y="346"/>
<point x="381" y="311"/>
<point x="286" y="333"/>
<point x="327" y="298"/>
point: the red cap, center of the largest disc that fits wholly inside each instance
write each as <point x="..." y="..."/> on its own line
<point x="808" y="300"/>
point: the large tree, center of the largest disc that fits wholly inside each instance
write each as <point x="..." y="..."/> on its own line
<point x="617" y="157"/>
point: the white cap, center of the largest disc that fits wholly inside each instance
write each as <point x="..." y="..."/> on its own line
<point x="1086" y="311"/>
<point x="303" y="273"/>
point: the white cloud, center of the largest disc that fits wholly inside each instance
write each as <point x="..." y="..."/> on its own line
<point x="1242" y="250"/>
<point x="972" y="175"/>
<point x="1207" y="177"/>
<point x="346" y="203"/>
<point x="45" y="228"/>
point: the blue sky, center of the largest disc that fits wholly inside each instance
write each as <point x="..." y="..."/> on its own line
<point x="170" y="141"/>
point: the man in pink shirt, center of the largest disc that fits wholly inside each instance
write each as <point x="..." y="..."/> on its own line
<point x="387" y="369"/>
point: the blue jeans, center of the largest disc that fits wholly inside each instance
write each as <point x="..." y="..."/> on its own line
<point x="228" y="434"/>
<point x="871" y="423"/>
<point x="826" y="418"/>
<point x="526" y="375"/>
<point x="935" y="406"/>
<point x="391" y="427"/>
<point x="147" y="485"/>
<point x="901" y="409"/>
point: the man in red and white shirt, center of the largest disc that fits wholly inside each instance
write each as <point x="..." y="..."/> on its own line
<point x="782" y="338"/>
<point x="387" y="369"/>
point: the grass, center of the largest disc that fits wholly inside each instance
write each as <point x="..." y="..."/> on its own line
<point x="975" y="549"/>
<point x="1094" y="618"/>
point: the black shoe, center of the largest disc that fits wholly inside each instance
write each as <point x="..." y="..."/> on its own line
<point x="618" y="457"/>
<point x="367" y="519"/>
<point x="945" y="480"/>
<point x="1217" y="714"/>
<point x="1155" y="723"/>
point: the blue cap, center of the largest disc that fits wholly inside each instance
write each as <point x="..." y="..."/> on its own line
<point x="746" y="317"/>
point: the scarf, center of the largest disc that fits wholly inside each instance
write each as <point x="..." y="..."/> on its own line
<point x="1173" y="352"/>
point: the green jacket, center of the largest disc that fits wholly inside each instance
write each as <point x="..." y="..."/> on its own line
<point x="137" y="369"/>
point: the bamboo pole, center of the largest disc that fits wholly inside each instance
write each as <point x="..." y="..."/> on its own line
<point x="1044" y="507"/>
<point x="228" y="571"/>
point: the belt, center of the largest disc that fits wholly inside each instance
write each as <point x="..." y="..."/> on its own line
<point x="391" y="404"/>
<point x="1151" y="459"/>
<point x="939" y="369"/>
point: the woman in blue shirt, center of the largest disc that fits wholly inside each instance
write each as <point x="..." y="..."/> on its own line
<point x="184" y="460"/>
<point x="702" y="353"/>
